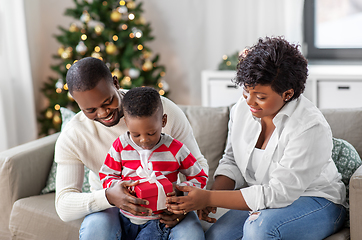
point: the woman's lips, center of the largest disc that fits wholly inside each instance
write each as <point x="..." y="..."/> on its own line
<point x="254" y="110"/>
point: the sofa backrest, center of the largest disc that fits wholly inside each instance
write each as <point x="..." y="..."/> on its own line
<point x="346" y="124"/>
<point x="210" y="127"/>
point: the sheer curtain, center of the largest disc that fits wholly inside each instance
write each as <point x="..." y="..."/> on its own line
<point x="192" y="36"/>
<point x="17" y="110"/>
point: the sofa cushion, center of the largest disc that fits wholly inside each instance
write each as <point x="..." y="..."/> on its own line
<point x="35" y="218"/>
<point x="210" y="127"/>
<point x="346" y="159"/>
<point x="347" y="162"/>
<point x="67" y="115"/>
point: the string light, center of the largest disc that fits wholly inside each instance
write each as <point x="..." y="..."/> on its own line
<point x="49" y="114"/>
<point x="68" y="66"/>
<point x="97" y="49"/>
<point x="115" y="37"/>
<point x="122" y="3"/>
<point x="140" y="47"/>
<point x="131" y="16"/>
<point x="124" y="26"/>
<point x="138" y="34"/>
<point x="57" y="107"/>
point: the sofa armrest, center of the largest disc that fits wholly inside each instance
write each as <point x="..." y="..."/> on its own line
<point x="24" y="169"/>
<point x="355" y="202"/>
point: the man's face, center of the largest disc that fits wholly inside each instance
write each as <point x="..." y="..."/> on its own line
<point x="101" y="104"/>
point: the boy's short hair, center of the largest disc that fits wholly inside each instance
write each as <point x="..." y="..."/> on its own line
<point x="86" y="73"/>
<point x="141" y="102"/>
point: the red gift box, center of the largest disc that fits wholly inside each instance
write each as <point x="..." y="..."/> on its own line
<point x="149" y="191"/>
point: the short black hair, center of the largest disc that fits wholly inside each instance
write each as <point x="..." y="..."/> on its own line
<point x="141" y="102"/>
<point x="86" y="73"/>
<point x="275" y="62"/>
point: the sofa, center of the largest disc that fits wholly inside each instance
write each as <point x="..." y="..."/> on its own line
<point x="28" y="214"/>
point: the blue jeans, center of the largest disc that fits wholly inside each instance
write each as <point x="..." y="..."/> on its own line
<point x="110" y="224"/>
<point x="307" y="218"/>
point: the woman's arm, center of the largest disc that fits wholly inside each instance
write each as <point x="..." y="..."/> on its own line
<point x="199" y="199"/>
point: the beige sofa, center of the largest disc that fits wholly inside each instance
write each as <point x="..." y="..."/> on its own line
<point x="25" y="214"/>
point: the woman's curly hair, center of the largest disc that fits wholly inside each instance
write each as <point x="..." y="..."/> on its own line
<point x="275" y="62"/>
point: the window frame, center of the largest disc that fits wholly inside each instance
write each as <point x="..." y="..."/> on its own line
<point x="323" y="53"/>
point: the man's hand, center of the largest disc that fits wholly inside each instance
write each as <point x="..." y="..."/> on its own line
<point x="121" y="196"/>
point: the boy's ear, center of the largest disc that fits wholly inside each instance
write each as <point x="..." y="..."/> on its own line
<point x="164" y="120"/>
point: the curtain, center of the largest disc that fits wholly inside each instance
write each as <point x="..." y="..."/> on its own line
<point x="192" y="36"/>
<point x="17" y="110"/>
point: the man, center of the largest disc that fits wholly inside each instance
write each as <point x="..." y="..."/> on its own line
<point x="86" y="140"/>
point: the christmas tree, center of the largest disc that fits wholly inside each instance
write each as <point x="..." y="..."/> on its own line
<point x="113" y="31"/>
<point x="229" y="62"/>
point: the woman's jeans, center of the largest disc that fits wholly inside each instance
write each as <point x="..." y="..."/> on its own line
<point x="110" y="224"/>
<point x="307" y="218"/>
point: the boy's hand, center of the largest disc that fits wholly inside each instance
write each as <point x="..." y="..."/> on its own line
<point x="175" y="192"/>
<point x="170" y="219"/>
<point x="203" y="214"/>
<point x="121" y="196"/>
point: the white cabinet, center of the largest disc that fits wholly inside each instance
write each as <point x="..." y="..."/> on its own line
<point x="335" y="86"/>
<point x="218" y="88"/>
<point x="339" y="94"/>
<point x="328" y="86"/>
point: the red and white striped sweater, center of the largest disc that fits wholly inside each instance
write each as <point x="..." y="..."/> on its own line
<point x="168" y="157"/>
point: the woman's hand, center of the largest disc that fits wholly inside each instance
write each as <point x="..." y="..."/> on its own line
<point x="121" y="196"/>
<point x="195" y="200"/>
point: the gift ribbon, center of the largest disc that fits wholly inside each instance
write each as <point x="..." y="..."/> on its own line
<point x="152" y="178"/>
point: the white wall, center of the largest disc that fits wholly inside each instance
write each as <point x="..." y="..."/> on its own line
<point x="190" y="36"/>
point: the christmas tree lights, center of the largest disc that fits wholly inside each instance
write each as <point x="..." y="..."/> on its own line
<point x="113" y="31"/>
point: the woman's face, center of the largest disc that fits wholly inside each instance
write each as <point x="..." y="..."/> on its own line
<point x="101" y="104"/>
<point x="264" y="102"/>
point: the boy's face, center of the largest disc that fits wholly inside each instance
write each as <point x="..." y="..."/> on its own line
<point x="102" y="103"/>
<point x="146" y="131"/>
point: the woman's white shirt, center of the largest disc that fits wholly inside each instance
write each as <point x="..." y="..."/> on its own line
<point x="296" y="162"/>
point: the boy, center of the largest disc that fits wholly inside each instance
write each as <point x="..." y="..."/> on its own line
<point x="145" y="148"/>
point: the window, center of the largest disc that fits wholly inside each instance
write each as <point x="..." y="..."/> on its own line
<point x="333" y="29"/>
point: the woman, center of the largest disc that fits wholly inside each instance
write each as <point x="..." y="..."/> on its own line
<point x="279" y="147"/>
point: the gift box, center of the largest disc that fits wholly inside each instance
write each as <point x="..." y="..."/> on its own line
<point x="150" y="192"/>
